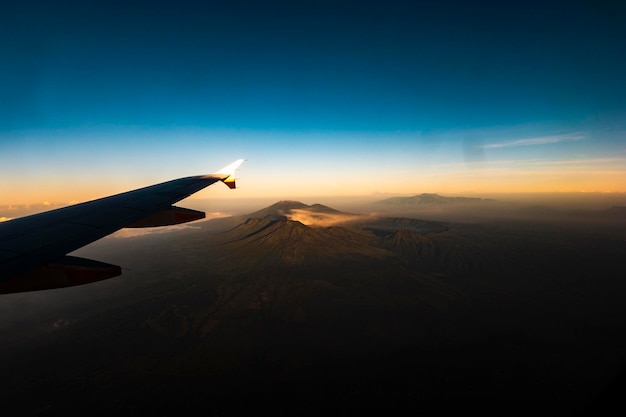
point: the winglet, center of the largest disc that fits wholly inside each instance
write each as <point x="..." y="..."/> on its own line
<point x="227" y="174"/>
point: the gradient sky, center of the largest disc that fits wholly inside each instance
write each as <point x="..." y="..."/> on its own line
<point x="321" y="97"/>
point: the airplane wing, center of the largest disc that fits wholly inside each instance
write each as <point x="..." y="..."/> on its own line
<point x="33" y="249"/>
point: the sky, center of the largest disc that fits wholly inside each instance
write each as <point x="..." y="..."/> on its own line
<point x="321" y="97"/>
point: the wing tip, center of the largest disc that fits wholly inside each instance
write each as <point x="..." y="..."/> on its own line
<point x="227" y="173"/>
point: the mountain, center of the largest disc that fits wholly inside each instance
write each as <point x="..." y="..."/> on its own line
<point x="283" y="207"/>
<point x="291" y="209"/>
<point x="278" y="209"/>
<point x="272" y="236"/>
<point x="307" y="309"/>
<point x="266" y="241"/>
<point x="432" y="199"/>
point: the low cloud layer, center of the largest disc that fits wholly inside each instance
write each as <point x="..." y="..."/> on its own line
<point x="134" y="232"/>
<point x="321" y="219"/>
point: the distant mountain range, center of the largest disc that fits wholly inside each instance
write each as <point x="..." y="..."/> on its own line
<point x="432" y="199"/>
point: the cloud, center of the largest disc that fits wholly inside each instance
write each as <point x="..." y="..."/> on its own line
<point x="134" y="232"/>
<point x="320" y="219"/>
<point x="5" y="219"/>
<point x="542" y="140"/>
<point x="128" y="233"/>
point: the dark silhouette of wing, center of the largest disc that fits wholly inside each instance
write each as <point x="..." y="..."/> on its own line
<point x="33" y="249"/>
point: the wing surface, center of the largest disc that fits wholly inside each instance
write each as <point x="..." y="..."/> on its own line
<point x="33" y="248"/>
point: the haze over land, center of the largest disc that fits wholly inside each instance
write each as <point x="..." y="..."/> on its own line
<point x="303" y="306"/>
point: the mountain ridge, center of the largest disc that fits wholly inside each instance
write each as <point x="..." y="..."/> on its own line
<point x="433" y="199"/>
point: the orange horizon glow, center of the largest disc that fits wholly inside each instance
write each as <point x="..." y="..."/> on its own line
<point x="468" y="183"/>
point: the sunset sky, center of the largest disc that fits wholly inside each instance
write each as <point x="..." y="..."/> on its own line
<point x="321" y="98"/>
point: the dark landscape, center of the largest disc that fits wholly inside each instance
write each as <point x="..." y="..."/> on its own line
<point x="301" y="309"/>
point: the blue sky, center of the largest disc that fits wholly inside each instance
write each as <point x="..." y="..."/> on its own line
<point x="340" y="97"/>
